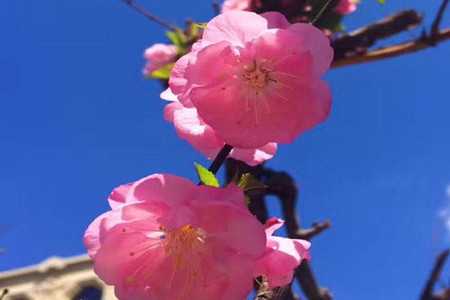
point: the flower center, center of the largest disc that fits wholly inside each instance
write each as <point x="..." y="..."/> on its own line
<point x="181" y="242"/>
<point x="256" y="77"/>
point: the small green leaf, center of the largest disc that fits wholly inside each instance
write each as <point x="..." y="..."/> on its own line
<point x="382" y="1"/>
<point x="200" y="25"/>
<point x="340" y="28"/>
<point x="162" y="73"/>
<point x="195" y="29"/>
<point x="249" y="182"/>
<point x="206" y="176"/>
<point x="178" y="39"/>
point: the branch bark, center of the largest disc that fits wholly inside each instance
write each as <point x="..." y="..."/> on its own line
<point x="438" y="19"/>
<point x="283" y="186"/>
<point x="366" y="36"/>
<point x="384" y="28"/>
<point x="149" y="15"/>
<point x="395" y="50"/>
<point x="427" y="293"/>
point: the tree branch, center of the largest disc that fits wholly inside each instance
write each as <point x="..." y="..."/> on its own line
<point x="149" y="15"/>
<point x="282" y="185"/>
<point x="395" y="50"/>
<point x="366" y="36"/>
<point x="220" y="158"/>
<point x="427" y="293"/>
<point x="329" y="5"/>
<point x="438" y="19"/>
<point x="3" y="294"/>
<point x="318" y="228"/>
<point x="216" y="8"/>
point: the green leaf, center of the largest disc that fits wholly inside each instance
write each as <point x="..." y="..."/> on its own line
<point x="249" y="182"/>
<point x="177" y="38"/>
<point x="382" y="1"/>
<point x="200" y="25"/>
<point x="206" y="176"/>
<point x="162" y="73"/>
<point x="340" y="28"/>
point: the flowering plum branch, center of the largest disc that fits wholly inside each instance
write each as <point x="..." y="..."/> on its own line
<point x="236" y="87"/>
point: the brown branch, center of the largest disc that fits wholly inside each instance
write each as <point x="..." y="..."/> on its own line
<point x="366" y="36"/>
<point x="391" y="25"/>
<point x="308" y="282"/>
<point x="443" y="295"/>
<point x="216" y="8"/>
<point x="149" y="15"/>
<point x="427" y="293"/>
<point x="4" y="292"/>
<point x="268" y="294"/>
<point x="318" y="228"/>
<point x="282" y="185"/>
<point x="329" y="5"/>
<point x="395" y="50"/>
<point x="438" y="19"/>
<point x="234" y="169"/>
<point x="220" y="158"/>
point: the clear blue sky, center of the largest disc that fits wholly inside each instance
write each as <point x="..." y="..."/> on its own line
<point x="78" y="119"/>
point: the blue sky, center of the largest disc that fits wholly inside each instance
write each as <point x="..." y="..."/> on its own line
<point x="78" y="119"/>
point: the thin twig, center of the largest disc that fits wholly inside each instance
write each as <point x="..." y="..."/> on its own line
<point x="283" y="185"/>
<point x="216" y="8"/>
<point x="308" y="282"/>
<point x="318" y="228"/>
<point x="406" y="18"/>
<point x="367" y="36"/>
<point x="220" y="158"/>
<point x="427" y="293"/>
<point x="4" y="292"/>
<point x="438" y="19"/>
<point x="395" y="50"/>
<point x="326" y="8"/>
<point x="149" y="15"/>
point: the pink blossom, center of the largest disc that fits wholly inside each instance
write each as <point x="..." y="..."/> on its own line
<point x="230" y="5"/>
<point x="191" y="127"/>
<point x="166" y="238"/>
<point x="255" y="79"/>
<point x="158" y="56"/>
<point x="282" y="256"/>
<point x="345" y="7"/>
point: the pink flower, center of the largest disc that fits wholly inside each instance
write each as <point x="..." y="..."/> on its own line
<point x="255" y="79"/>
<point x="191" y="127"/>
<point x="166" y="238"/>
<point x="158" y="56"/>
<point x="230" y="5"/>
<point x="345" y="7"/>
<point x="282" y="256"/>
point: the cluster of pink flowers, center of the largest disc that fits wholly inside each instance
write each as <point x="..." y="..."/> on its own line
<point x="230" y="5"/>
<point x="167" y="238"/>
<point x="255" y="79"/>
<point x="158" y="56"/>
<point x="251" y="82"/>
<point x="346" y="7"/>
